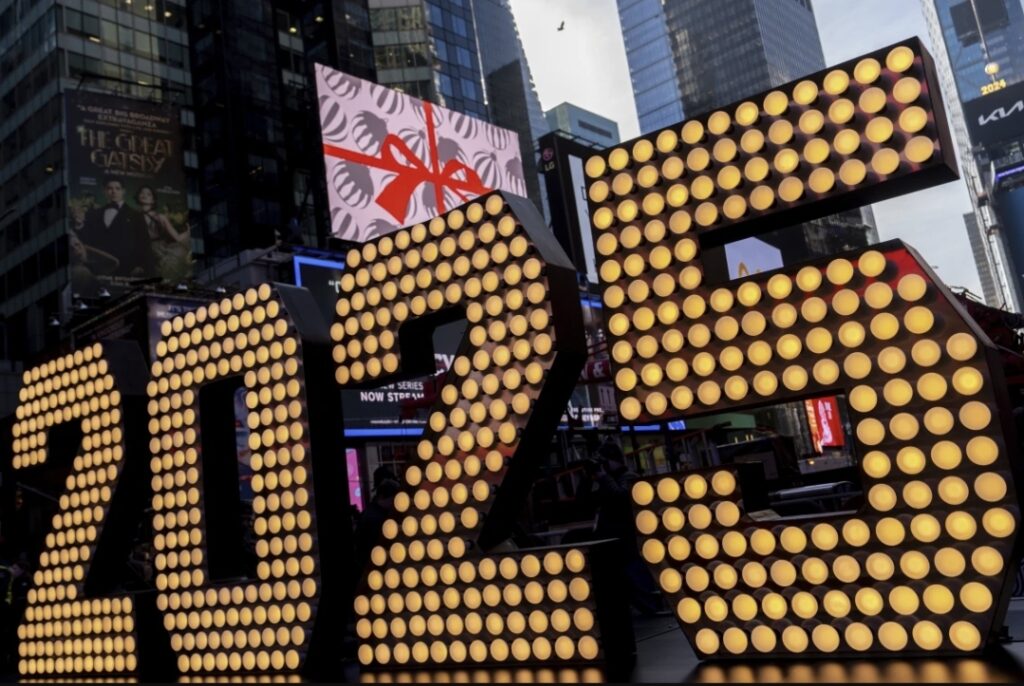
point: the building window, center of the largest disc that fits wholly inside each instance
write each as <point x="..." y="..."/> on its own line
<point x="445" y="85"/>
<point x="459" y="26"/>
<point x="595" y="129"/>
<point x="436" y="15"/>
<point x="82" y="24"/>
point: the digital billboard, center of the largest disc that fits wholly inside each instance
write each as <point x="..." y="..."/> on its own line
<point x="393" y="160"/>
<point x="127" y="202"/>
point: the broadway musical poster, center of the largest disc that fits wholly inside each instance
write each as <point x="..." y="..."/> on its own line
<point x="127" y="202"/>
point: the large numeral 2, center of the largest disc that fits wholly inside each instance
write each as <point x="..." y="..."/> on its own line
<point x="433" y="595"/>
<point x="80" y="403"/>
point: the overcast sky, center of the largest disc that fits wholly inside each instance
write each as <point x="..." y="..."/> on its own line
<point x="586" y="64"/>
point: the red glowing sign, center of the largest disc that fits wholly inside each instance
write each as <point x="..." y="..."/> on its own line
<point x="826" y="426"/>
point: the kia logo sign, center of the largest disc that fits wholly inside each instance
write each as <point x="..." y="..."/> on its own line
<point x="997" y="118"/>
<point x="1000" y="113"/>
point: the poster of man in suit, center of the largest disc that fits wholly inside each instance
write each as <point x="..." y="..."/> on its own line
<point x="127" y="204"/>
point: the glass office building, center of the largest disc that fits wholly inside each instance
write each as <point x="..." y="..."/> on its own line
<point x="980" y="60"/>
<point x="512" y="100"/>
<point x="582" y="123"/>
<point x="428" y="49"/>
<point x="49" y="48"/>
<point x="652" y="66"/>
<point x="258" y="133"/>
<point x="705" y="54"/>
<point x="725" y="51"/>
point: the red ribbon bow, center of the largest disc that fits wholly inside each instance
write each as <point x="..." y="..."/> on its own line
<point x="411" y="171"/>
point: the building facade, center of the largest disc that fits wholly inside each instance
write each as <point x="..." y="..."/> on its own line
<point x="708" y="54"/>
<point x="512" y="100"/>
<point x="258" y="133"/>
<point x="980" y="46"/>
<point x="429" y="50"/>
<point x="49" y="48"/>
<point x="464" y="55"/>
<point x="652" y="67"/>
<point x="584" y="124"/>
<point x="722" y="52"/>
<point x="990" y="292"/>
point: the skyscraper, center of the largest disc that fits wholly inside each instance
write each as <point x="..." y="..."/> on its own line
<point x="429" y="50"/>
<point x="464" y="55"/>
<point x="584" y="124"/>
<point x="707" y="54"/>
<point x="512" y="100"/>
<point x="724" y="51"/>
<point x="258" y="134"/>
<point x="989" y="287"/>
<point x="982" y="72"/>
<point x="47" y="49"/>
<point x="652" y="66"/>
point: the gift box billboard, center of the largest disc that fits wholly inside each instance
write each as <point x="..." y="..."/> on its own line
<point x="393" y="160"/>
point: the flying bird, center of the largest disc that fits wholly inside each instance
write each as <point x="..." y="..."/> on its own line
<point x="561" y="27"/>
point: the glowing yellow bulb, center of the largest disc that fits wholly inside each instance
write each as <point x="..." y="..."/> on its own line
<point x="780" y="132"/>
<point x="990" y="487"/>
<point x="906" y="90"/>
<point x="852" y="172"/>
<point x="698" y="158"/>
<point x="618" y="159"/>
<point x="913" y="119"/>
<point x="692" y="132"/>
<point x="919" y="149"/>
<point x="724" y="149"/>
<point x="747" y="114"/>
<point x="841" y="111"/>
<point x="987" y="561"/>
<point x="667" y="141"/>
<point x="810" y="122"/>
<point x="595" y="166"/>
<point x="927" y="635"/>
<point x="846" y="142"/>
<point x="786" y="161"/>
<point x="643" y="150"/>
<point x="706" y="214"/>
<point x="822" y="180"/>
<point x="791" y="189"/>
<point x="762" y="197"/>
<point x="899" y="59"/>
<point x="836" y="82"/>
<point x="875" y="464"/>
<point x="751" y="141"/>
<point x="872" y="100"/>
<point x="775" y="103"/>
<point x="879" y="130"/>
